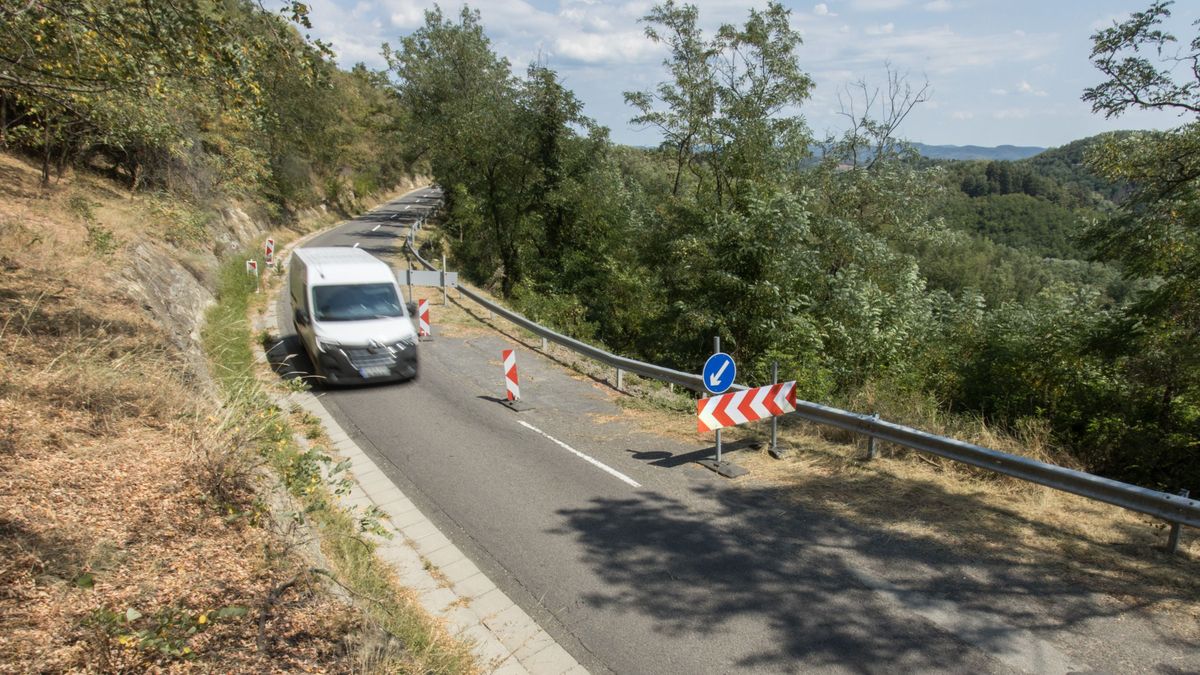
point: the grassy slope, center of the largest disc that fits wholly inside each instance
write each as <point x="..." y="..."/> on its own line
<point x="134" y="526"/>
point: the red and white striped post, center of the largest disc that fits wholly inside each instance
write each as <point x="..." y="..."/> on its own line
<point x="512" y="390"/>
<point x="252" y="268"/>
<point x="269" y="253"/>
<point x="423" y="318"/>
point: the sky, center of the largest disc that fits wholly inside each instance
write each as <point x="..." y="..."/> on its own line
<point x="999" y="72"/>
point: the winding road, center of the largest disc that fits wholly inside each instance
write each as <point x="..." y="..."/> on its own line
<point x="637" y="560"/>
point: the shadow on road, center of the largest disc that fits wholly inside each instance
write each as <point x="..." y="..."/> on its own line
<point x="757" y="555"/>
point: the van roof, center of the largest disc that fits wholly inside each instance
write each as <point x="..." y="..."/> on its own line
<point x="343" y="265"/>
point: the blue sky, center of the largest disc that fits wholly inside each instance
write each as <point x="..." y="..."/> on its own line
<point x="1000" y="72"/>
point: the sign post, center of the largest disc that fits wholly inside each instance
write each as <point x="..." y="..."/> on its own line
<point x="252" y="268"/>
<point x="512" y="388"/>
<point x="719" y="373"/>
<point x="269" y="253"/>
<point x="423" y="330"/>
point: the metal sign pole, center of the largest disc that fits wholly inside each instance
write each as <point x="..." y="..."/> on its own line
<point x="717" y="350"/>
<point x="774" y="418"/>
<point x="443" y="279"/>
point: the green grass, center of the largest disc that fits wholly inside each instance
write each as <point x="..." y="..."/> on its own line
<point x="417" y="645"/>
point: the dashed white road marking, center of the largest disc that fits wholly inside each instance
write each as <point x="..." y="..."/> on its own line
<point x="590" y="460"/>
<point x="406" y="206"/>
<point x="356" y="244"/>
<point x="374" y="228"/>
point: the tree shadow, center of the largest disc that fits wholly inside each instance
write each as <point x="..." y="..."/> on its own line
<point x="833" y="591"/>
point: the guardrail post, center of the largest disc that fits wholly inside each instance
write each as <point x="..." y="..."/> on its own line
<point x="443" y="279"/>
<point x="544" y="344"/>
<point x="1176" y="530"/>
<point x="620" y="380"/>
<point x="872" y="451"/>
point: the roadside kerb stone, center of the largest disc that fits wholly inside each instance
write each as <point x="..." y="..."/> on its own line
<point x="472" y="606"/>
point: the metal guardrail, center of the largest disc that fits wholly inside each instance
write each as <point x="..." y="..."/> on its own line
<point x="1176" y="509"/>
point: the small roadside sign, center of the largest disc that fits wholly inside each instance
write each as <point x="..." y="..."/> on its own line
<point x="719" y="373"/>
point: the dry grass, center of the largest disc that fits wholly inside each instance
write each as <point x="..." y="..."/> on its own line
<point x="121" y="487"/>
<point x="98" y="480"/>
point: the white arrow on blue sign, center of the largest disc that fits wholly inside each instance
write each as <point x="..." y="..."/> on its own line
<point x="719" y="372"/>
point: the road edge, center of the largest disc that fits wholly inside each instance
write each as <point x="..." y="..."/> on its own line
<point x="448" y="584"/>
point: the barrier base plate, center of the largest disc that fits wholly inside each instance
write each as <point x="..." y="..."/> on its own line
<point x="723" y="468"/>
<point x="516" y="406"/>
<point x="779" y="451"/>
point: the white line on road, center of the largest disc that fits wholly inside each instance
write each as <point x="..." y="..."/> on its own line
<point x="589" y="460"/>
<point x="374" y="228"/>
<point x="406" y="206"/>
<point x="356" y="244"/>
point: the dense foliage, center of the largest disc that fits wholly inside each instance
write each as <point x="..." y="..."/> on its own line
<point x="205" y="98"/>
<point x="870" y="277"/>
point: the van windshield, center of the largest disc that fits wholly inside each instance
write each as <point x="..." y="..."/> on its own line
<point x="355" y="302"/>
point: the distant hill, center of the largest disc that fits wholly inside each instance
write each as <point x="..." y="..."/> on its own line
<point x="1066" y="165"/>
<point x="968" y="152"/>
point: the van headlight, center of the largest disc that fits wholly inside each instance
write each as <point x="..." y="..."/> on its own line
<point x="402" y="345"/>
<point x="325" y="346"/>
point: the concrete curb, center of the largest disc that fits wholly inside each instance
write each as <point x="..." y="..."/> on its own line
<point x="506" y="640"/>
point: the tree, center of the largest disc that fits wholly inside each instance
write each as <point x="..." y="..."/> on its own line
<point x="727" y="114"/>
<point x="1155" y="234"/>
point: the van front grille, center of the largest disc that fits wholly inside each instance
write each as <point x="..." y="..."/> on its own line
<point x="361" y="357"/>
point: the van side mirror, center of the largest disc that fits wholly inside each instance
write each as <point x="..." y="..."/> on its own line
<point x="412" y="308"/>
<point x="301" y="317"/>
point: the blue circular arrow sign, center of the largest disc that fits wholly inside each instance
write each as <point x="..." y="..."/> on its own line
<point x="719" y="372"/>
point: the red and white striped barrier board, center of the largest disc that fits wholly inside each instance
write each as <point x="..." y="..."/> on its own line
<point x="269" y="251"/>
<point x="252" y="267"/>
<point x="423" y="318"/>
<point x="511" y="388"/>
<point x="739" y="407"/>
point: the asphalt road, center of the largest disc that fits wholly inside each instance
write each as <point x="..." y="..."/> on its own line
<point x="651" y="564"/>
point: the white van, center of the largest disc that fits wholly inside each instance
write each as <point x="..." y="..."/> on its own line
<point x="350" y="315"/>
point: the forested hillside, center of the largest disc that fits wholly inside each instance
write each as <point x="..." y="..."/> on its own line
<point x="1056" y="293"/>
<point x="1021" y="292"/>
<point x="205" y="100"/>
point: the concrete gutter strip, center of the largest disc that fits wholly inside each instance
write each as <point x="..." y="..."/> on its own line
<point x="506" y="640"/>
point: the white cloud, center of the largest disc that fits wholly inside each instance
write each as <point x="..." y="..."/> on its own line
<point x="822" y="9"/>
<point x="625" y="47"/>
<point x="878" y="5"/>
<point x="998" y="92"/>
<point x="1026" y="88"/>
<point x="936" y="50"/>
<point x="406" y="13"/>
<point x="1011" y="114"/>
<point x="882" y="29"/>
<point x="962" y="115"/>
<point x="938" y="6"/>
